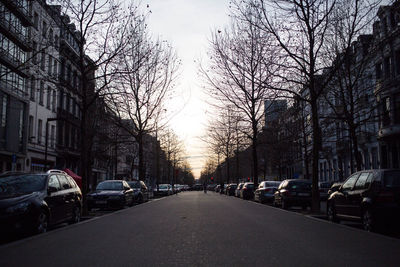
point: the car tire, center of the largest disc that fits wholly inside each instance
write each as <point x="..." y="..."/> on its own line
<point x="331" y="213"/>
<point x="42" y="223"/>
<point x="284" y="204"/>
<point x="368" y="220"/>
<point x="140" y="199"/>
<point x="76" y="215"/>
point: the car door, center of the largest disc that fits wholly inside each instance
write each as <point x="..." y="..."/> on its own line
<point x="355" y="196"/>
<point x="128" y="191"/>
<point x="54" y="199"/>
<point x="342" y="201"/>
<point x="68" y="196"/>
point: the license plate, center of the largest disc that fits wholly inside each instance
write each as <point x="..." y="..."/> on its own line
<point x="304" y="194"/>
<point x="101" y="201"/>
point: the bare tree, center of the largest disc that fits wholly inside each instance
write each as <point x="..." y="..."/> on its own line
<point x="301" y="29"/>
<point x="138" y="93"/>
<point x="100" y="30"/>
<point x="239" y="75"/>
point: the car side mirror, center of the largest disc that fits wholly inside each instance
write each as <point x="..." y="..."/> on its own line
<point x="51" y="189"/>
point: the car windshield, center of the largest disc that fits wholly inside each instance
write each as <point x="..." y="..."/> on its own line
<point x="134" y="184"/>
<point x="272" y="184"/>
<point x="163" y="186"/>
<point x="250" y="186"/>
<point x="300" y="186"/>
<point x="22" y="184"/>
<point x="392" y="179"/>
<point x="110" y="186"/>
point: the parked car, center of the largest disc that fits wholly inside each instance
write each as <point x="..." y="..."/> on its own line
<point x="370" y="196"/>
<point x="218" y="188"/>
<point x="323" y="190"/>
<point x="32" y="202"/>
<point x="140" y="191"/>
<point x="111" y="194"/>
<point x="265" y="191"/>
<point x="223" y="189"/>
<point x="230" y="190"/>
<point x="163" y="190"/>
<point x="238" y="189"/>
<point x="293" y="192"/>
<point x="334" y="188"/>
<point x="247" y="191"/>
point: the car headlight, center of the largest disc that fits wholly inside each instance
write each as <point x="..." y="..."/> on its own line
<point x="20" y="207"/>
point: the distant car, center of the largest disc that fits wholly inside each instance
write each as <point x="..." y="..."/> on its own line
<point x="323" y="190"/>
<point x="370" y="196"/>
<point x="293" y="192"/>
<point x="197" y="187"/>
<point x="163" y="190"/>
<point x="238" y="189"/>
<point x="230" y="190"/>
<point x="111" y="194"/>
<point x="247" y="191"/>
<point x="140" y="191"/>
<point x="31" y="202"/>
<point x="223" y="189"/>
<point x="265" y="191"/>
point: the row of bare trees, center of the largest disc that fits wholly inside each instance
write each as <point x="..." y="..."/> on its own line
<point x="297" y="49"/>
<point x="121" y="64"/>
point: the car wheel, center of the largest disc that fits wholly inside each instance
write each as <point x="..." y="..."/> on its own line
<point x="331" y="213"/>
<point x="368" y="220"/>
<point x="76" y="215"/>
<point x="42" y="223"/>
<point x="140" y="199"/>
<point x="284" y="204"/>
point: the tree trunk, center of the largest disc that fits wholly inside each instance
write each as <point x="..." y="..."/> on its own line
<point x="315" y="205"/>
<point x="255" y="156"/>
<point x="141" y="156"/>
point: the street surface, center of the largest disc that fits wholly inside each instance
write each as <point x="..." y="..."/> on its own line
<point x="197" y="229"/>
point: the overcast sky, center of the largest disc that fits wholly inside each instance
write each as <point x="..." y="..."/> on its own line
<point x="187" y="25"/>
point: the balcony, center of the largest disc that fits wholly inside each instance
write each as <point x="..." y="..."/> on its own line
<point x="21" y="9"/>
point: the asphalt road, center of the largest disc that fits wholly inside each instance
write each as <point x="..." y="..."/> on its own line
<point x="197" y="229"/>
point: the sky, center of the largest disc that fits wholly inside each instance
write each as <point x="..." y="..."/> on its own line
<point x="187" y="26"/>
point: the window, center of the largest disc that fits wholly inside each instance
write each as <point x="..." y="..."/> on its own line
<point x="39" y="140"/>
<point x="378" y="71"/>
<point x="388" y="67"/>
<point x="397" y="55"/>
<point x="51" y="36"/>
<point x="43" y="60"/>
<point x="30" y="137"/>
<point x="33" y="88"/>
<point x="52" y="136"/>
<point x="50" y="67"/>
<point x="61" y="100"/>
<point x="56" y="41"/>
<point x="44" y="29"/>
<point x="363" y="181"/>
<point x="55" y="67"/>
<point x="36" y="20"/>
<point x="64" y="182"/>
<point x="41" y="93"/>
<point x="48" y="97"/>
<point x="34" y="52"/>
<point x="348" y="185"/>
<point x="53" y="182"/>
<point x="54" y="100"/>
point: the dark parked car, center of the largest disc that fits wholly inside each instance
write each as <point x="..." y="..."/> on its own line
<point x="370" y="196"/>
<point x="247" y="191"/>
<point x="217" y="188"/>
<point x="238" y="189"/>
<point x="111" y="194"/>
<point x="293" y="192"/>
<point x="265" y="191"/>
<point x="163" y="190"/>
<point x="230" y="190"/>
<point x="140" y="191"/>
<point x="31" y="202"/>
